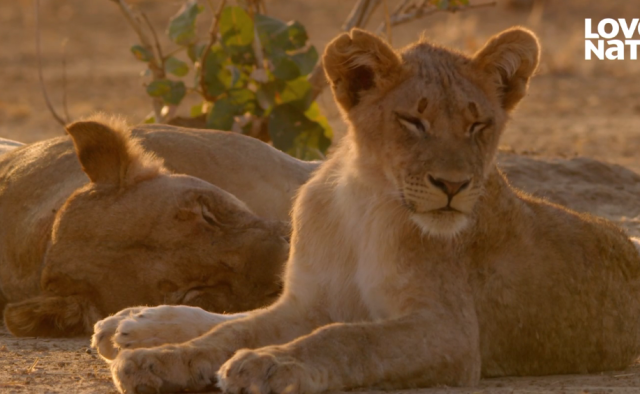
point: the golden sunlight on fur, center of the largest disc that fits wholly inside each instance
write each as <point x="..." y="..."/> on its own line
<point x="413" y="262"/>
<point x="98" y="224"/>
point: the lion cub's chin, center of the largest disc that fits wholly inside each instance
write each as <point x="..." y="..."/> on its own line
<point x="441" y="224"/>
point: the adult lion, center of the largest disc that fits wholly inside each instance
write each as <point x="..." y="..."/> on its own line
<point x="77" y="246"/>
<point x="413" y="261"/>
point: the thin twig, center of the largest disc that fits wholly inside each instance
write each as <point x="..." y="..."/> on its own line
<point x="33" y="366"/>
<point x="155" y="38"/>
<point x="423" y="11"/>
<point x="360" y="14"/>
<point x="213" y="37"/>
<point x="173" y="52"/>
<point x="65" y="108"/>
<point x="387" y="21"/>
<point x="58" y="118"/>
<point x="318" y="80"/>
<point x="154" y="64"/>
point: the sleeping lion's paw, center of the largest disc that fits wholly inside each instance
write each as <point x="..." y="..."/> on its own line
<point x="264" y="371"/>
<point x="164" y="369"/>
<point x="105" y="329"/>
<point x="152" y="326"/>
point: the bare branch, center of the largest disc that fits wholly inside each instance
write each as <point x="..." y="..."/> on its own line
<point x="318" y="80"/>
<point x="387" y="21"/>
<point x="155" y="38"/>
<point x="213" y="37"/>
<point x="58" y="118"/>
<point x="64" y="81"/>
<point x="360" y="14"/>
<point x="416" y="12"/>
<point x="155" y="64"/>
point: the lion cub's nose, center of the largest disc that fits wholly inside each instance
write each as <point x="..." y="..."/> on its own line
<point x="448" y="187"/>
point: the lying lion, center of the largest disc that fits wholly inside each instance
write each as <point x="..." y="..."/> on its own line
<point x="413" y="261"/>
<point x="75" y="249"/>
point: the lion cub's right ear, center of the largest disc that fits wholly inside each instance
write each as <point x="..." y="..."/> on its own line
<point x="511" y="58"/>
<point x="356" y="62"/>
<point x="109" y="156"/>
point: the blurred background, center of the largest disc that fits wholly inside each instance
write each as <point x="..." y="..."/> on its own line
<point x="575" y="106"/>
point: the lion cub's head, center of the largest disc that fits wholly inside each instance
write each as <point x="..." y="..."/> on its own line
<point x="425" y="122"/>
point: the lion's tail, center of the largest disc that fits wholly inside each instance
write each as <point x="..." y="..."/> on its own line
<point x="51" y="316"/>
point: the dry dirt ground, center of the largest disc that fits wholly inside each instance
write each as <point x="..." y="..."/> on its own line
<point x="575" y="108"/>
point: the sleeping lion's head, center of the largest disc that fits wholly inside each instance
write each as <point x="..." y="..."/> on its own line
<point x="425" y="122"/>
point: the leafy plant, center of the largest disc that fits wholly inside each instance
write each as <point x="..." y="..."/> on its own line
<point x="251" y="75"/>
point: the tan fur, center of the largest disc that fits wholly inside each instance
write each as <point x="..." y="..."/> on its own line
<point x="74" y="250"/>
<point x="393" y="284"/>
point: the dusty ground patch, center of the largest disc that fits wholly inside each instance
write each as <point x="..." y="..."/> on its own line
<point x="45" y="365"/>
<point x="42" y="365"/>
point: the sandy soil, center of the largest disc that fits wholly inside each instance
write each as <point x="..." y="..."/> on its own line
<point x="575" y="108"/>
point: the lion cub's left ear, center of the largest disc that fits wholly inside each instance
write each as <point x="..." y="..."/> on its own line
<point x="510" y="57"/>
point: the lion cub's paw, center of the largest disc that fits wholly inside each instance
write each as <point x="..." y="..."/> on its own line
<point x="150" y="327"/>
<point x="266" y="371"/>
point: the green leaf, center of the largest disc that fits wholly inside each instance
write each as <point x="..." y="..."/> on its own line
<point x="243" y="99"/>
<point x="213" y="69"/>
<point x="297" y="34"/>
<point x="286" y="123"/>
<point x="222" y="115"/>
<point x="241" y="55"/>
<point x="195" y="51"/>
<point x="306" y="60"/>
<point x="273" y="33"/>
<point x="297" y="93"/>
<point x="172" y="92"/>
<point x="236" y="27"/>
<point x="277" y="36"/>
<point x="310" y="145"/>
<point x="284" y="67"/>
<point x="159" y="88"/>
<point x="141" y="53"/>
<point x="176" y="94"/>
<point x="443" y="4"/>
<point x="176" y="67"/>
<point x="235" y="75"/>
<point x="182" y="26"/>
<point x="196" y="111"/>
<point x="314" y="113"/>
<point x="266" y="95"/>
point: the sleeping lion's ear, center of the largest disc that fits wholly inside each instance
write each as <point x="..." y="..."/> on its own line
<point x="510" y="58"/>
<point x="356" y="62"/>
<point x="108" y="155"/>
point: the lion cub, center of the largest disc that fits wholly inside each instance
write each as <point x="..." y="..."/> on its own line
<point x="413" y="261"/>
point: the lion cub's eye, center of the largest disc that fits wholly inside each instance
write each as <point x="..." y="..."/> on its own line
<point x="412" y="123"/>
<point x="476" y="127"/>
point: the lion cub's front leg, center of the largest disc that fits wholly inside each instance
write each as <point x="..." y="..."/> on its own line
<point x="193" y="365"/>
<point x="144" y="327"/>
<point x="410" y="352"/>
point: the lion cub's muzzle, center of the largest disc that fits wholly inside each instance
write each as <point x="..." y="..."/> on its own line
<point x="441" y="206"/>
<point x="431" y="194"/>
